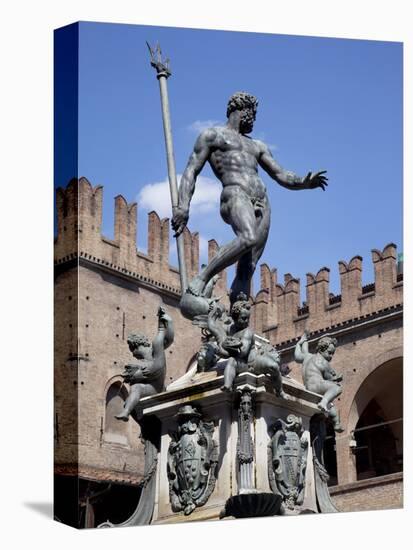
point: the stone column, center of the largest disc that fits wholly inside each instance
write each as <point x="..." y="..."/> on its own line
<point x="346" y="460"/>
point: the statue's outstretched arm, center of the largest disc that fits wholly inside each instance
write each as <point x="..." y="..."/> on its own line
<point x="195" y="164"/>
<point x="286" y="178"/>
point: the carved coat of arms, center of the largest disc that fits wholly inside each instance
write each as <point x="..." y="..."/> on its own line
<point x="287" y="461"/>
<point x="192" y="460"/>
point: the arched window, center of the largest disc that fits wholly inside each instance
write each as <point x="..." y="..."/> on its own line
<point x="379" y="431"/>
<point x="116" y="431"/>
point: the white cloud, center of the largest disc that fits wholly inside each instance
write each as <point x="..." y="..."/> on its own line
<point x="200" y="125"/>
<point x="156" y="196"/>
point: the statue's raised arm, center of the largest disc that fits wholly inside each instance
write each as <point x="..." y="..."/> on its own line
<point x="301" y="348"/>
<point x="165" y="335"/>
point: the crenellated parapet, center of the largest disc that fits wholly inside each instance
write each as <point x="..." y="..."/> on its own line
<point x="158" y="240"/>
<point x="280" y="316"/>
<point x="79" y="234"/>
<point x="277" y="311"/>
<point x="350" y="276"/>
<point x="191" y="248"/>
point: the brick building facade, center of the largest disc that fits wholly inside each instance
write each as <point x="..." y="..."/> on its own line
<point x="105" y="289"/>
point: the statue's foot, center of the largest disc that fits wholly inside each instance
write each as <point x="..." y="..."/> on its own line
<point x="226" y="389"/>
<point x="338" y="428"/>
<point x="323" y="406"/>
<point x="196" y="286"/>
<point x="122" y="416"/>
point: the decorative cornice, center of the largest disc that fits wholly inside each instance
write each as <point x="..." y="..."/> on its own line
<point x="87" y="260"/>
<point x="388" y="313"/>
<point x="98" y="474"/>
<point x="366" y="483"/>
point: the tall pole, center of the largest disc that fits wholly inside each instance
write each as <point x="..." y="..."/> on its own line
<point x="163" y="73"/>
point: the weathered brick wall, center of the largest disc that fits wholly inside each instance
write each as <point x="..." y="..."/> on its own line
<point x="65" y="367"/>
<point x="110" y="307"/>
<point x="121" y="252"/>
<point x="383" y="493"/>
<point x="115" y="290"/>
<point x="362" y="349"/>
<point x="120" y="289"/>
<point x="367" y="321"/>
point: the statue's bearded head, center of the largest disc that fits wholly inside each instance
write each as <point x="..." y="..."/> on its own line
<point x="247" y="105"/>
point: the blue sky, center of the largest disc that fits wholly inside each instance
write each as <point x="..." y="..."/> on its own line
<point x="333" y="104"/>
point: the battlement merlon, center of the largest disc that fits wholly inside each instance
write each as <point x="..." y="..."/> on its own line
<point x="221" y="288"/>
<point x="280" y="316"/>
<point x="277" y="306"/>
<point x="79" y="223"/>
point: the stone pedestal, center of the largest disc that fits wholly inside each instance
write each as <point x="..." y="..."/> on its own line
<point x="202" y="391"/>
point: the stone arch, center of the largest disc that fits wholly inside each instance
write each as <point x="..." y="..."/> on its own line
<point x="365" y="386"/>
<point x="354" y="404"/>
<point x="378" y="399"/>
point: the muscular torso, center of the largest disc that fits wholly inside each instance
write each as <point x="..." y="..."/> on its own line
<point x="155" y="368"/>
<point x="313" y="368"/>
<point x="234" y="161"/>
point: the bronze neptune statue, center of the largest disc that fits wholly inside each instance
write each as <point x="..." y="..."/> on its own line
<point x="234" y="158"/>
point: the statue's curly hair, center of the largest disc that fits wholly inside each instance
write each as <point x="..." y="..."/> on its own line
<point x="135" y="340"/>
<point x="241" y="100"/>
<point x="239" y="304"/>
<point x="325" y="341"/>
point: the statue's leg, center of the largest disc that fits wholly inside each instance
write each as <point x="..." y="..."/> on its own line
<point x="332" y="391"/>
<point x="270" y="367"/>
<point x="230" y="373"/>
<point x="243" y="276"/>
<point x="248" y="262"/>
<point x="130" y="403"/>
<point x="335" y="418"/>
<point x="277" y="381"/>
<point x="236" y="210"/>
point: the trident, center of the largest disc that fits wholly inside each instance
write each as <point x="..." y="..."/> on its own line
<point x="162" y="74"/>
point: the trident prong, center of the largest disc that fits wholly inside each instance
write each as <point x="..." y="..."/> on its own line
<point x="162" y="67"/>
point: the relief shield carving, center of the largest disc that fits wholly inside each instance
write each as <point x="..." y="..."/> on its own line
<point x="287" y="461"/>
<point x="192" y="460"/>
